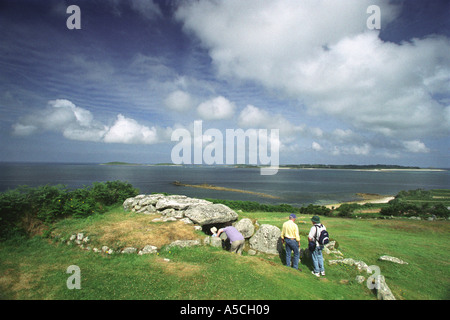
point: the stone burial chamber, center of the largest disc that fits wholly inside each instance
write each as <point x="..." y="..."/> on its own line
<point x="198" y="211"/>
<point x="263" y="238"/>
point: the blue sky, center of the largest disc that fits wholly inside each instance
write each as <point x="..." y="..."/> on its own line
<point x="116" y="89"/>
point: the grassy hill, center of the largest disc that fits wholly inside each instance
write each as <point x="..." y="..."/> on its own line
<point x="36" y="268"/>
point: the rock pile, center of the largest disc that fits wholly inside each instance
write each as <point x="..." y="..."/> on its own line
<point x="379" y="283"/>
<point x="83" y="242"/>
<point x="171" y="208"/>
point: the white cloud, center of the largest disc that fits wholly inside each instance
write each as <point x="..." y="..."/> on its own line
<point x="76" y="123"/>
<point x="343" y="135"/>
<point x="63" y="116"/>
<point x="20" y="129"/>
<point x="323" y="54"/>
<point x="316" y="132"/>
<point x="254" y="117"/>
<point x="179" y="101"/>
<point x="316" y="147"/>
<point x="415" y="146"/>
<point x="216" y="109"/>
<point x="359" y="150"/>
<point x="129" y="131"/>
<point x="380" y="91"/>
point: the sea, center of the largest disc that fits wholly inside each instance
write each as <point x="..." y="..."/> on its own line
<point x="297" y="187"/>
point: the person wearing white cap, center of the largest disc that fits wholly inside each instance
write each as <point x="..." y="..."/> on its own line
<point x="291" y="239"/>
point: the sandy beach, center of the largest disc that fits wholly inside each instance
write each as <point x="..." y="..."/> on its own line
<point x="368" y="198"/>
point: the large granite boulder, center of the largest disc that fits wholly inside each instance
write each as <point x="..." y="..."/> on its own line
<point x="172" y="205"/>
<point x="206" y="214"/>
<point x="245" y="227"/>
<point x="178" y="202"/>
<point x="267" y="239"/>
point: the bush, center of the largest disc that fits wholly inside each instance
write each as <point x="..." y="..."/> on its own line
<point x="398" y="208"/>
<point x="48" y="203"/>
<point x="112" y="192"/>
<point x="314" y="210"/>
<point x="346" y="210"/>
<point x="79" y="203"/>
<point x="418" y="194"/>
<point x="12" y="202"/>
<point x="441" y="211"/>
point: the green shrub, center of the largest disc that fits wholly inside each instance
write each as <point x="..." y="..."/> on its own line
<point x="112" y="192"/>
<point x="315" y="210"/>
<point x="347" y="209"/>
<point x="12" y="202"/>
<point x="398" y="208"/>
<point x="440" y="210"/>
<point x="418" y="194"/>
<point x="49" y="203"/>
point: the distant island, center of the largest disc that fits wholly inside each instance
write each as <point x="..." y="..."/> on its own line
<point x="121" y="163"/>
<point x="373" y="167"/>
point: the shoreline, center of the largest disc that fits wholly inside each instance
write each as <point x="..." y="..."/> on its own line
<point x="369" y="198"/>
<point x="374" y="170"/>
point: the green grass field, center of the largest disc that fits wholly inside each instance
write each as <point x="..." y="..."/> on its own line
<point x="36" y="268"/>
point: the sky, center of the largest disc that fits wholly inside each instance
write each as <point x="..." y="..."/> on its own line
<point x="338" y="90"/>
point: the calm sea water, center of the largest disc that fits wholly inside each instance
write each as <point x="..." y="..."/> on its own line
<point x="295" y="186"/>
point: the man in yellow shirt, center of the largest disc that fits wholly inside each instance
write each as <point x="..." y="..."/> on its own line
<point x="291" y="239"/>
